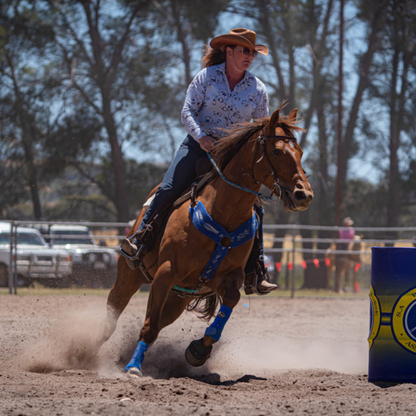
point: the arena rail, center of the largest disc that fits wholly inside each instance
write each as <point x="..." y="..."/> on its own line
<point x="290" y="249"/>
<point x="292" y="246"/>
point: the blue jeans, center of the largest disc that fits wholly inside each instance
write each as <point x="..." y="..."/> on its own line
<point x="181" y="173"/>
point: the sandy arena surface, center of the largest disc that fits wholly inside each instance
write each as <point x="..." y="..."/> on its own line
<point x="276" y="356"/>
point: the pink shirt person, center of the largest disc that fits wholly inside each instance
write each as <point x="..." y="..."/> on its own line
<point x="347" y="233"/>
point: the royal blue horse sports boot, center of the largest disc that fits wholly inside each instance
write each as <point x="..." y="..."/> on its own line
<point x="134" y="367"/>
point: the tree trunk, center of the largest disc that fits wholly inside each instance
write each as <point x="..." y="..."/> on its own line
<point x="30" y="168"/>
<point x="318" y="51"/>
<point x="121" y="198"/>
<point x="364" y="69"/>
<point x="181" y="36"/>
<point x="28" y="138"/>
<point x="397" y="110"/>
<point x="105" y="77"/>
<point x="393" y="192"/>
<point x="266" y="30"/>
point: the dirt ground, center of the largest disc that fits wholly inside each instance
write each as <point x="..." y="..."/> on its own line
<point x="276" y="356"/>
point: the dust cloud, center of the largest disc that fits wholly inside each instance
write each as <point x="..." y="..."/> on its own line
<point x="70" y="343"/>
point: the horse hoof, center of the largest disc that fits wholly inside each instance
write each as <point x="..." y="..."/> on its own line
<point x="134" y="372"/>
<point x="197" y="353"/>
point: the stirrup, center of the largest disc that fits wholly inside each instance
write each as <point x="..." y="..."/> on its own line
<point x="134" y="256"/>
<point x="252" y="279"/>
<point x="250" y="283"/>
<point x="141" y="247"/>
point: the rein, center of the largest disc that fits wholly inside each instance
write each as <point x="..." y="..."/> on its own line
<point x="261" y="141"/>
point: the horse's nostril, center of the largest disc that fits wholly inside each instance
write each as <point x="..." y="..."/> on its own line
<point x="300" y="195"/>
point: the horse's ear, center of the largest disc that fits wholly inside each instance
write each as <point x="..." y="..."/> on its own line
<point x="274" y="119"/>
<point x="293" y="114"/>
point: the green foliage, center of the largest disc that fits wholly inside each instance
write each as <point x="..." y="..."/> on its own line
<point x="81" y="98"/>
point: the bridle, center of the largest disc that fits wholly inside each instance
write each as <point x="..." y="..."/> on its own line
<point x="259" y="141"/>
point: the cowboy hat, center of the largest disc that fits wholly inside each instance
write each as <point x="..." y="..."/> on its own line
<point x="348" y="221"/>
<point x="240" y="37"/>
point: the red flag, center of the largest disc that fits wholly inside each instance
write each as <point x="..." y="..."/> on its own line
<point x="327" y="262"/>
<point x="304" y="264"/>
<point x="290" y="266"/>
<point x="278" y="266"/>
<point x="316" y="262"/>
<point x="357" y="267"/>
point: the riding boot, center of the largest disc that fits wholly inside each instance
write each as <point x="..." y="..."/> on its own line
<point x="257" y="278"/>
<point x="134" y="248"/>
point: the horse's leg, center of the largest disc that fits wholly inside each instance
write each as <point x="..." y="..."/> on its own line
<point x="127" y="284"/>
<point x="158" y="296"/>
<point x="173" y="309"/>
<point x="200" y="350"/>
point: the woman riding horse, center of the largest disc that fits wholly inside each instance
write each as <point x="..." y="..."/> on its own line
<point x="221" y="95"/>
<point x="207" y="240"/>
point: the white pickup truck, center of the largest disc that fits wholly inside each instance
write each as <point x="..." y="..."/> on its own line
<point x="94" y="265"/>
<point x="35" y="259"/>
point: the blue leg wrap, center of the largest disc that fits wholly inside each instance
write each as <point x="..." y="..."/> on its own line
<point x="215" y="329"/>
<point x="138" y="356"/>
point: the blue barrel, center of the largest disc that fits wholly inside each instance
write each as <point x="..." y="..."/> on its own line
<point x="392" y="339"/>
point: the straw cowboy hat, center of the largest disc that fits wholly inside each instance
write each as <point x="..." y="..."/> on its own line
<point x="240" y="37"/>
<point x="348" y="222"/>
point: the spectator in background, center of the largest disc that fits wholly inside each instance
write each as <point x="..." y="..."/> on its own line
<point x="346" y="233"/>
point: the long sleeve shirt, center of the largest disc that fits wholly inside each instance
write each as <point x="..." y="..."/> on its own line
<point x="211" y="108"/>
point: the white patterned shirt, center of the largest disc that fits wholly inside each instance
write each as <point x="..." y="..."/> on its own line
<point x="210" y="106"/>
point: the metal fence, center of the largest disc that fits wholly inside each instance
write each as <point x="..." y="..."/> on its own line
<point x="98" y="230"/>
<point x="293" y="247"/>
<point x="288" y="252"/>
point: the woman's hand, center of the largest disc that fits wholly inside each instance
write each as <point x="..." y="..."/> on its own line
<point x="206" y="143"/>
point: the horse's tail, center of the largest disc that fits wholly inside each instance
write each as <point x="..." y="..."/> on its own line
<point x="206" y="310"/>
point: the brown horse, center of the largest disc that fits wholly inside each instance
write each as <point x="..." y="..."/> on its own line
<point x="342" y="264"/>
<point x="261" y="152"/>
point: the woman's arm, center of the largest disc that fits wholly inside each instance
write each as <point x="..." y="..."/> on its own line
<point x="194" y="100"/>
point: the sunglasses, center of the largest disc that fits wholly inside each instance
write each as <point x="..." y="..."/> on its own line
<point x="247" y="51"/>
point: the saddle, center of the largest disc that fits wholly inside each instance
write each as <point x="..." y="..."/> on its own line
<point x="254" y="269"/>
<point x="150" y="234"/>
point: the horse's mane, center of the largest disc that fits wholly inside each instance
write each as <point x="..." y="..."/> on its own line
<point x="229" y="146"/>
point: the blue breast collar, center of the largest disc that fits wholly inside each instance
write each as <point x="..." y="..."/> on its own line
<point x="207" y="226"/>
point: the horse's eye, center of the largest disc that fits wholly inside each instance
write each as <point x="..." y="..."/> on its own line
<point x="277" y="152"/>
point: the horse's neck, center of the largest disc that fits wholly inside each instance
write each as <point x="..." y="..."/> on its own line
<point x="228" y="205"/>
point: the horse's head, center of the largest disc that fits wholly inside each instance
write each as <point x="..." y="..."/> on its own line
<point x="280" y="162"/>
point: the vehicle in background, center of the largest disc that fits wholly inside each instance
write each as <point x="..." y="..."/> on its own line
<point x="35" y="259"/>
<point x="94" y="265"/>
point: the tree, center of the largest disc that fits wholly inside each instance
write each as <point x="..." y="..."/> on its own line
<point x="373" y="12"/>
<point x="97" y="47"/>
<point x="392" y="89"/>
<point x="24" y="32"/>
